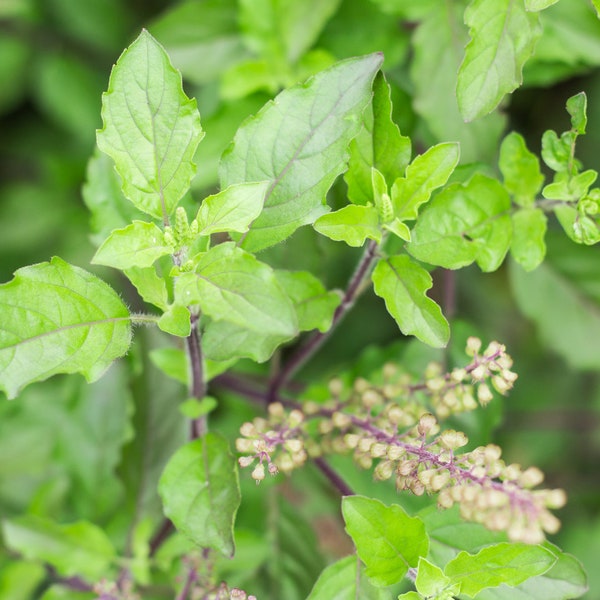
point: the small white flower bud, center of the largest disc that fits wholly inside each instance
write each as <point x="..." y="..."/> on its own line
<point x="484" y="394"/>
<point x="246" y="461"/>
<point x="259" y="473"/>
<point x="248" y="430"/>
<point x="473" y="346"/>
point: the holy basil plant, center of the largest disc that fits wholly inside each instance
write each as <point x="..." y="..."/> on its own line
<point x="207" y="273"/>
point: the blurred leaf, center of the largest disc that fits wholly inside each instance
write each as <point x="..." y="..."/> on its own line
<point x="504" y="563"/>
<point x="403" y="285"/>
<point x="372" y="31"/>
<point x="564" y="303"/>
<point x="20" y="579"/>
<point x="232" y="209"/>
<point x="77" y="549"/>
<point x="379" y="144"/>
<point x="352" y="224"/>
<point x="104" y="199"/>
<point x="99" y="24"/>
<point x="194" y="30"/>
<point x="153" y="147"/>
<point x="59" y="592"/>
<point x="298" y="142"/>
<point x="439" y="43"/>
<point x="528" y="247"/>
<point x="520" y="169"/>
<point x="387" y="540"/>
<point x="14" y="57"/>
<point x="220" y="128"/>
<point x="570" y="43"/>
<point x="503" y="36"/>
<point x="343" y="581"/>
<point x="61" y="76"/>
<point x="160" y="430"/>
<point x="58" y="319"/>
<point x="200" y="492"/>
<point x="140" y="244"/>
<point x="536" y="5"/>
<point x="577" y="107"/>
<point x="284" y="30"/>
<point x="564" y="581"/>
<point x="172" y="362"/>
<point x="465" y="223"/>
<point x="427" y="172"/>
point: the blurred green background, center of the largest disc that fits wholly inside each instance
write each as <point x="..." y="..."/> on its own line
<point x="55" y="60"/>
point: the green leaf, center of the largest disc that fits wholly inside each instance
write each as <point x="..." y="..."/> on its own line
<point x="504" y="563"/>
<point x="580" y="228"/>
<point x="149" y="285"/>
<point x="403" y="285"/>
<point x="176" y="321"/>
<point x="379" y="144"/>
<point x="570" y="188"/>
<point x="76" y="549"/>
<point x="425" y="173"/>
<point x="577" y="107"/>
<point x="556" y="152"/>
<point x="137" y="245"/>
<point x="465" y="223"/>
<point x="200" y="492"/>
<point x="56" y="318"/>
<point x="596" y="5"/>
<point x="151" y="128"/>
<point x="410" y="596"/>
<point x="520" y="169"/>
<point x="537" y="5"/>
<point x="343" y="581"/>
<point x="438" y="44"/>
<point x="528" y="247"/>
<point x="564" y="581"/>
<point x="503" y="36"/>
<point x="352" y="224"/>
<point x="298" y="142"/>
<point x="231" y="285"/>
<point x="562" y="298"/>
<point x="431" y="581"/>
<point x="314" y="305"/>
<point x="224" y="341"/>
<point x="387" y="540"/>
<point x="232" y="209"/>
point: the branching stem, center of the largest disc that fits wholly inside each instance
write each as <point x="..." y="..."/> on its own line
<point x="313" y="343"/>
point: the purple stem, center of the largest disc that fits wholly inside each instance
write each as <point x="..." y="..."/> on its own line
<point x="310" y="347"/>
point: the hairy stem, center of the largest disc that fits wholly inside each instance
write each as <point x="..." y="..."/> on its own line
<point x="313" y="343"/>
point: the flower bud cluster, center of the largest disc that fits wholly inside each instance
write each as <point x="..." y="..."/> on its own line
<point x="281" y="432"/>
<point x="443" y="394"/>
<point x="403" y="442"/>
<point x="224" y="593"/>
